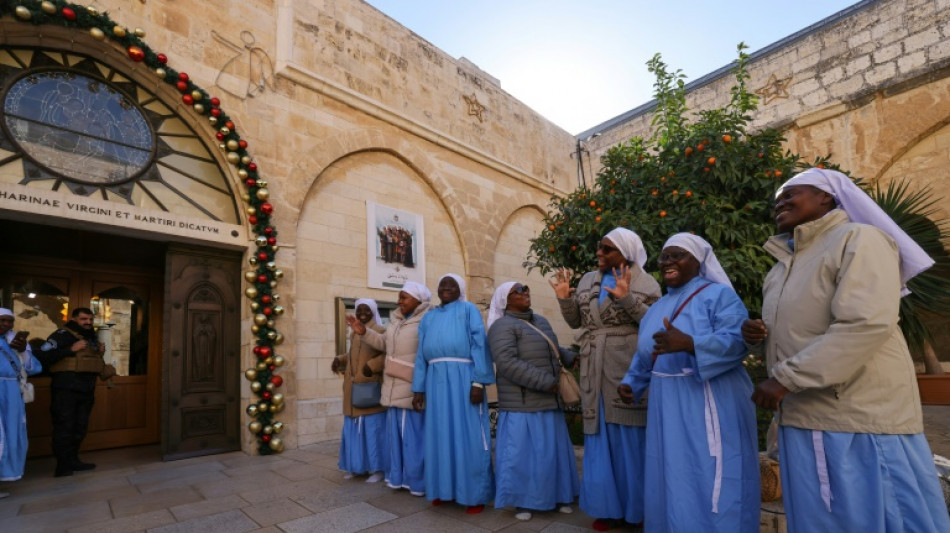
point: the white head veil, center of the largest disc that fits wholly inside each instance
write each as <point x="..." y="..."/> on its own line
<point x="499" y="301"/>
<point x="5" y="312"/>
<point x="629" y="244"/>
<point x="458" y="279"/>
<point x="709" y="266"/>
<point x="417" y="290"/>
<point x="372" y="305"/>
<point x="862" y="208"/>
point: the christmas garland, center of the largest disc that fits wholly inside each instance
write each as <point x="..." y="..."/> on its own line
<point x="263" y="279"/>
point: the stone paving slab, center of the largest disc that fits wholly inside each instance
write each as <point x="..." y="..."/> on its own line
<point x="128" y="524"/>
<point x="356" y="517"/>
<point x="233" y="521"/>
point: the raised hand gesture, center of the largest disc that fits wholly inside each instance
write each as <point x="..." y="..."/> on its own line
<point x="358" y="327"/>
<point x="561" y="283"/>
<point x="623" y="282"/>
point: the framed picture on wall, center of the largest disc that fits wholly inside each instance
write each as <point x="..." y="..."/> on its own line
<point x="395" y="247"/>
<point x="345" y="306"/>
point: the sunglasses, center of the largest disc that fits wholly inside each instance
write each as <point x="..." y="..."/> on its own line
<point x="520" y="289"/>
<point x="606" y="249"/>
<point x="672" y="257"/>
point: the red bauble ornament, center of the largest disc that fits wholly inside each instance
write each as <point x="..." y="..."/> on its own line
<point x="135" y="53"/>
<point x="162" y="58"/>
<point x="268" y="230"/>
<point x="187" y="99"/>
<point x="271" y="368"/>
<point x="219" y="136"/>
<point x="268" y="311"/>
<point x="182" y="86"/>
<point x="265" y="437"/>
<point x="262" y="278"/>
<point x="215" y="102"/>
<point x="229" y="125"/>
<point x="262" y="256"/>
<point x="265" y="351"/>
<point x="250" y="182"/>
<point x="272" y="240"/>
<point x="266" y="395"/>
<point x="266" y="299"/>
<point x="182" y="76"/>
<point x="257" y="350"/>
<point x="69" y="14"/>
<point x="242" y="143"/>
<point x="252" y="166"/>
<point x="215" y="112"/>
<point x="277" y="381"/>
<point x="267" y="208"/>
<point x="252" y="219"/>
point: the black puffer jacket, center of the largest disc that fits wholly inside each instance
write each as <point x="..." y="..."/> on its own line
<point x="525" y="367"/>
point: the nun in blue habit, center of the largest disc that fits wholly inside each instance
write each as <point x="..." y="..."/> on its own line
<point x="452" y="368"/>
<point x="702" y="464"/>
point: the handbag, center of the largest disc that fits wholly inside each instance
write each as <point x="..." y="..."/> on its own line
<point x="366" y="395"/>
<point x="567" y="387"/>
<point x="398" y="369"/>
<point x="26" y="390"/>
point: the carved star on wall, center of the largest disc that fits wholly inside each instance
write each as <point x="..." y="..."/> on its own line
<point x="774" y="89"/>
<point x="475" y="109"/>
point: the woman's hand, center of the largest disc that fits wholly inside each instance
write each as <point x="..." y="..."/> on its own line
<point x="671" y="340"/>
<point x="626" y="393"/>
<point x="337" y="365"/>
<point x="769" y="394"/>
<point x="754" y="331"/>
<point x="358" y="327"/>
<point x="623" y="282"/>
<point x="476" y="394"/>
<point x="367" y="371"/>
<point x="561" y="283"/>
<point x="418" y="401"/>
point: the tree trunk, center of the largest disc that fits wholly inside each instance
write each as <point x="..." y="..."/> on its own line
<point x="932" y="365"/>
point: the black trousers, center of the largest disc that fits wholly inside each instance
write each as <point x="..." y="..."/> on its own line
<point x="70" y="410"/>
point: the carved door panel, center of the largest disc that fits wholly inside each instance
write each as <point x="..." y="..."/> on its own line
<point x="202" y="362"/>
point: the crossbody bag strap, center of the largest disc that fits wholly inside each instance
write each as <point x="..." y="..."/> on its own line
<point x="12" y="358"/>
<point x="686" y="301"/>
<point x="557" y="355"/>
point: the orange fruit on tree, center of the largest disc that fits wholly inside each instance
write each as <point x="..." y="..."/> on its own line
<point x="662" y="214"/>
<point x="552" y="227"/>
<point x="711" y="161"/>
<point x="727" y="138"/>
<point x="612" y="191"/>
<point x="701" y="147"/>
<point x="675" y="192"/>
<point x="597" y="219"/>
<point x="654" y="192"/>
<point x="573" y="248"/>
<point x="705" y="169"/>
<point x="600" y="209"/>
<point x="820" y="165"/>
<point x="689" y="194"/>
<point x="593" y="203"/>
<point x="551" y="249"/>
<point x="778" y="173"/>
<point x="688" y="151"/>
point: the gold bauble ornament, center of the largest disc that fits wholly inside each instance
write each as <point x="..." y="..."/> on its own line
<point x="250" y="276"/>
<point x="273" y="282"/>
<point x="97" y="34"/>
<point x="252" y="409"/>
<point x="270" y="265"/>
<point x="48" y="7"/>
<point x="278" y="427"/>
<point x="255" y="306"/>
<point x="92" y="11"/>
<point x="255" y="427"/>
<point x="213" y="121"/>
<point x="252" y="261"/>
<point x="271" y="335"/>
<point x="233" y="158"/>
<point x="270" y="324"/>
<point x="221" y="146"/>
<point x="278" y="274"/>
<point x="262" y="194"/>
<point x="246" y="159"/>
<point x="225" y="130"/>
<point x="256" y="386"/>
<point x="274" y="407"/>
<point x="246" y="197"/>
<point x="255" y="329"/>
<point x="261" y="242"/>
<point x="242" y="174"/>
<point x="275" y="247"/>
<point x="196" y="94"/>
<point x="264" y="406"/>
<point x="278" y="310"/>
<point x="261" y="366"/>
<point x="250" y="210"/>
<point x="276" y="444"/>
<point x="250" y="374"/>
<point x="279" y="339"/>
<point x="199" y="108"/>
<point x="139" y="32"/>
<point x="268" y="430"/>
<point x="279" y="360"/>
<point x="251" y="292"/>
<point x="161" y="73"/>
<point x="233" y="145"/>
<point x="262" y="183"/>
<point x="278" y="398"/>
<point x="260" y="319"/>
<point x="119" y="31"/>
<point x="269" y="386"/>
<point x="269" y="361"/>
<point x="23" y="13"/>
<point x="275" y="295"/>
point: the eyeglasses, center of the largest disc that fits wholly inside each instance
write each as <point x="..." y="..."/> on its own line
<point x="520" y="289"/>
<point x="672" y="257"/>
<point x="606" y="249"/>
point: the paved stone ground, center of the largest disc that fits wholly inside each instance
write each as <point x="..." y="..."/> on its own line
<point x="297" y="491"/>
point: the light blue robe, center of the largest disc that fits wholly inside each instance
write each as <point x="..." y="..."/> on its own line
<point x="457" y="433"/>
<point x="363" y="446"/>
<point x="405" y="436"/>
<point x="13" y="438"/>
<point x="697" y="401"/>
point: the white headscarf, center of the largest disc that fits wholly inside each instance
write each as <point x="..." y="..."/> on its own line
<point x="6" y="312"/>
<point x="417" y="290"/>
<point x="862" y="208"/>
<point x="458" y="279"/>
<point x="629" y="244"/>
<point x="709" y="266"/>
<point x="372" y="305"/>
<point x="499" y="301"/>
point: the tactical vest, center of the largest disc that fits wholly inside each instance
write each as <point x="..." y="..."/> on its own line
<point x="86" y="360"/>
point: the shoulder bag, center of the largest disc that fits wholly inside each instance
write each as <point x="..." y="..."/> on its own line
<point x="567" y="386"/>
<point x="26" y="388"/>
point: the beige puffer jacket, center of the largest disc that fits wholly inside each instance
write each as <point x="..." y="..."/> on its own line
<point x="831" y="308"/>
<point x="399" y="341"/>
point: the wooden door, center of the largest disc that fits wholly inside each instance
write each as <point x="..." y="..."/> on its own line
<point x="202" y="367"/>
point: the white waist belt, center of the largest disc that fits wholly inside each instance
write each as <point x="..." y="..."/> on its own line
<point x="450" y="360"/>
<point x="713" y="435"/>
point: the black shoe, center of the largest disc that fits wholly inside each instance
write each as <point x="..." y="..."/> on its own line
<point x="80" y="466"/>
<point x="62" y="472"/>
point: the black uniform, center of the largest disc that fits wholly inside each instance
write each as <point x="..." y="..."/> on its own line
<point x="72" y="396"/>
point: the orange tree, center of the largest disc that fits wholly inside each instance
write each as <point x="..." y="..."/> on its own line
<point x="710" y="176"/>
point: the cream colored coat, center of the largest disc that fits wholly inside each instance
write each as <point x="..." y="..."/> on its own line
<point x="360" y="354"/>
<point x="399" y="341"/>
<point x="831" y="309"/>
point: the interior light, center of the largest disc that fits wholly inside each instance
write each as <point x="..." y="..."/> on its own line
<point x="31" y="295"/>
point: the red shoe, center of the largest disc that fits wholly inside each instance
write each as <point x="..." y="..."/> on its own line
<point x="605" y="524"/>
<point x="437" y="502"/>
<point x="475" y="509"/>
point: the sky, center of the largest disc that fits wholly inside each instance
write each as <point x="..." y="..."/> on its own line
<point x="580" y="63"/>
